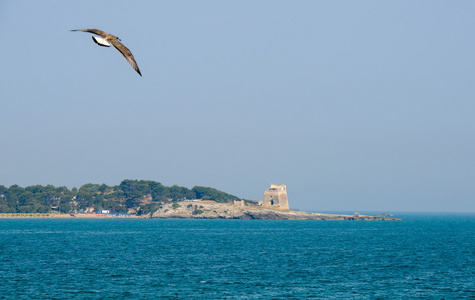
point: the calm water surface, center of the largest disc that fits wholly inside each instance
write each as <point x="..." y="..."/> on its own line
<point x="424" y="256"/>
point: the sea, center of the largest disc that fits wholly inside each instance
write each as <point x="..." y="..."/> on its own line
<point x="424" y="256"/>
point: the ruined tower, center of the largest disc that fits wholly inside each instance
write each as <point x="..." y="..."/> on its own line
<point x="276" y="196"/>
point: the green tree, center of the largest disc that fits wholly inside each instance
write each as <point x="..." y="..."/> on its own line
<point x="180" y="192"/>
<point x="135" y="188"/>
<point x="207" y="193"/>
<point x="89" y="188"/>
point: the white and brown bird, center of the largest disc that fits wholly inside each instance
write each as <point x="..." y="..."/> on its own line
<point x="106" y="40"/>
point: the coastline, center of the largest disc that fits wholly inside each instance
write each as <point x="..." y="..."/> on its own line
<point x="69" y="216"/>
<point x="205" y="209"/>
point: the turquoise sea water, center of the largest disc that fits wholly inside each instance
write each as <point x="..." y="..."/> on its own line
<point x="425" y="256"/>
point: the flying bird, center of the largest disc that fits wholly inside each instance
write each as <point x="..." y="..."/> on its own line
<point x="106" y="40"/>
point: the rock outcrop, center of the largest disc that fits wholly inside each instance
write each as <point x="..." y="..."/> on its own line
<point x="198" y="209"/>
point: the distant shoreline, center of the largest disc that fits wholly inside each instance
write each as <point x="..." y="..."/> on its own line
<point x="70" y="216"/>
<point x="205" y="209"/>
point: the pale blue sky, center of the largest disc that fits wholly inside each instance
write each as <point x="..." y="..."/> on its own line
<point x="354" y="105"/>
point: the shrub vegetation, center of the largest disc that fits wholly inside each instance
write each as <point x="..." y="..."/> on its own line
<point x="142" y="196"/>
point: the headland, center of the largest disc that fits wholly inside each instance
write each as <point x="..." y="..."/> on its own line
<point x="148" y="199"/>
<point x="202" y="209"/>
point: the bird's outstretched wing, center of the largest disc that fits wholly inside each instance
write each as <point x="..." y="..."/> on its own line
<point x="95" y="31"/>
<point x="127" y="54"/>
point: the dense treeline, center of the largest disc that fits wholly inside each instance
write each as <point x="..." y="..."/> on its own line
<point x="136" y="196"/>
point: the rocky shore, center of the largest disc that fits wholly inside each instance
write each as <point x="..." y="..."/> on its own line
<point x="212" y="210"/>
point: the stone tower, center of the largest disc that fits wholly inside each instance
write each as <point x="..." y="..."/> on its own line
<point x="276" y="196"/>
